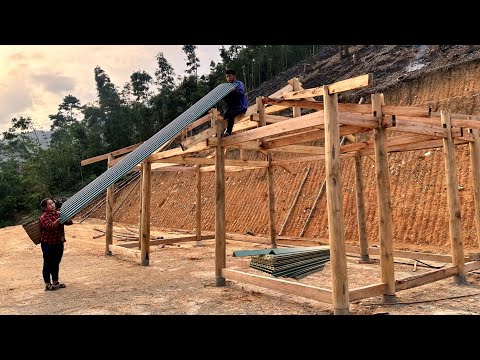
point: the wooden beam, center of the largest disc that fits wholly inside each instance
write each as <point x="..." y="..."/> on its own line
<point x="453" y="200"/>
<point x="289" y="287"/>
<point x="211" y="161"/>
<point x="198" y="208"/>
<point x="281" y="240"/>
<point x="109" y="215"/>
<point x="307" y="135"/>
<point x="425" y="278"/>
<point x="340" y="86"/>
<point x="356" y="108"/>
<point x="253" y="109"/>
<point x="361" y="217"/>
<point x="270" y="119"/>
<point x="413" y="126"/>
<point x="167" y="241"/>
<point x="202" y="120"/>
<point x="474" y="148"/>
<point x="113" y="153"/>
<point x="385" y="220"/>
<point x="357" y="82"/>
<point x="146" y="195"/>
<point x="271" y="202"/>
<point x="175" y="169"/>
<point x="367" y="291"/>
<point x="178" y="151"/>
<point x="271" y="193"/>
<point x="297" y="111"/>
<point x="220" y="243"/>
<point x="471" y="266"/>
<point x="336" y="228"/>
<point x="302" y="122"/>
<point x="198" y="138"/>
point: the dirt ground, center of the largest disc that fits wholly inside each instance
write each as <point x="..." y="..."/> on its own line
<point x="180" y="281"/>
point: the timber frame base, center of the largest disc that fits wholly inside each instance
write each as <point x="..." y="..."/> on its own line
<point x="260" y="130"/>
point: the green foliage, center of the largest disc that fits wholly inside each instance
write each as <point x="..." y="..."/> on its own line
<point x="118" y="119"/>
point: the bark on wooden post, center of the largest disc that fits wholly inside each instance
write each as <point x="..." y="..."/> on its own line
<point x="336" y="228"/>
<point x="475" y="162"/>
<point x="271" y="203"/>
<point x="297" y="111"/>
<point x="453" y="200"/>
<point x="271" y="192"/>
<point x="141" y="208"/>
<point x="198" y="227"/>
<point x="220" y="241"/>
<point x="145" y="234"/>
<point x="109" y="214"/>
<point x="361" y="218"/>
<point x="384" y="203"/>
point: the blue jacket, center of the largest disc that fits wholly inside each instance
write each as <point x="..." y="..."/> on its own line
<point x="237" y="99"/>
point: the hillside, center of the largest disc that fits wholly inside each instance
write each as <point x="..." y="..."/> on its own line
<point x="442" y="77"/>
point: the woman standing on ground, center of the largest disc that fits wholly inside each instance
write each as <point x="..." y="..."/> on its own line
<point x="52" y="239"/>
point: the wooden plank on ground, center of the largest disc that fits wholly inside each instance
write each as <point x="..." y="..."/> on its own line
<point x="367" y="291"/>
<point x="307" y="291"/>
<point x="425" y="278"/>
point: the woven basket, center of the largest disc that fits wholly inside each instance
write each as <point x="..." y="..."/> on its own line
<point x="32" y="228"/>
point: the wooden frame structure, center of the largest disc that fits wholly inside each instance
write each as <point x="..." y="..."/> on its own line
<point x="267" y="133"/>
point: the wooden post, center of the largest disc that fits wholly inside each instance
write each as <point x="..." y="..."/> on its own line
<point x="475" y="162"/>
<point x="384" y="204"/>
<point x="271" y="192"/>
<point x="361" y="218"/>
<point x="336" y="228"/>
<point x="145" y="223"/>
<point x="271" y="203"/>
<point x="220" y="235"/>
<point x="141" y="208"/>
<point x="198" y="227"/>
<point x="109" y="215"/>
<point x="297" y="111"/>
<point x="453" y="200"/>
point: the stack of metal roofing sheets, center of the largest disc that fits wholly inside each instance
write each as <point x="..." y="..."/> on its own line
<point x="294" y="263"/>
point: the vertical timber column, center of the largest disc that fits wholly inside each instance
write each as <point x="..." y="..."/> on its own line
<point x="271" y="202"/>
<point x="141" y="208"/>
<point x="145" y="223"/>
<point x="362" y="227"/>
<point x="296" y="87"/>
<point x="385" y="231"/>
<point x="271" y="188"/>
<point x="475" y="162"/>
<point x="198" y="227"/>
<point x="336" y="227"/>
<point x="109" y="214"/>
<point x="220" y="247"/>
<point x="453" y="200"/>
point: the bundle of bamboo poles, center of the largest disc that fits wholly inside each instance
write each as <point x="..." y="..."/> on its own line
<point x="295" y="263"/>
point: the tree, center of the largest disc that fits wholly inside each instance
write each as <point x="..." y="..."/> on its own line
<point x="193" y="62"/>
<point x="164" y="74"/>
<point x="140" y="81"/>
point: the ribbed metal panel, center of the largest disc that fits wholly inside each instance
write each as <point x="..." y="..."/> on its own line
<point x="83" y="197"/>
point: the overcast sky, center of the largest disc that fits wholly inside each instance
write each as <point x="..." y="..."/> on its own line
<point x="34" y="79"/>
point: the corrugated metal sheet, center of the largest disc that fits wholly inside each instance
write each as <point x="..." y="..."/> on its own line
<point x="83" y="197"/>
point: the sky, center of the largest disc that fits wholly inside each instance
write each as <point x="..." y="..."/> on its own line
<point x="34" y="79"/>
